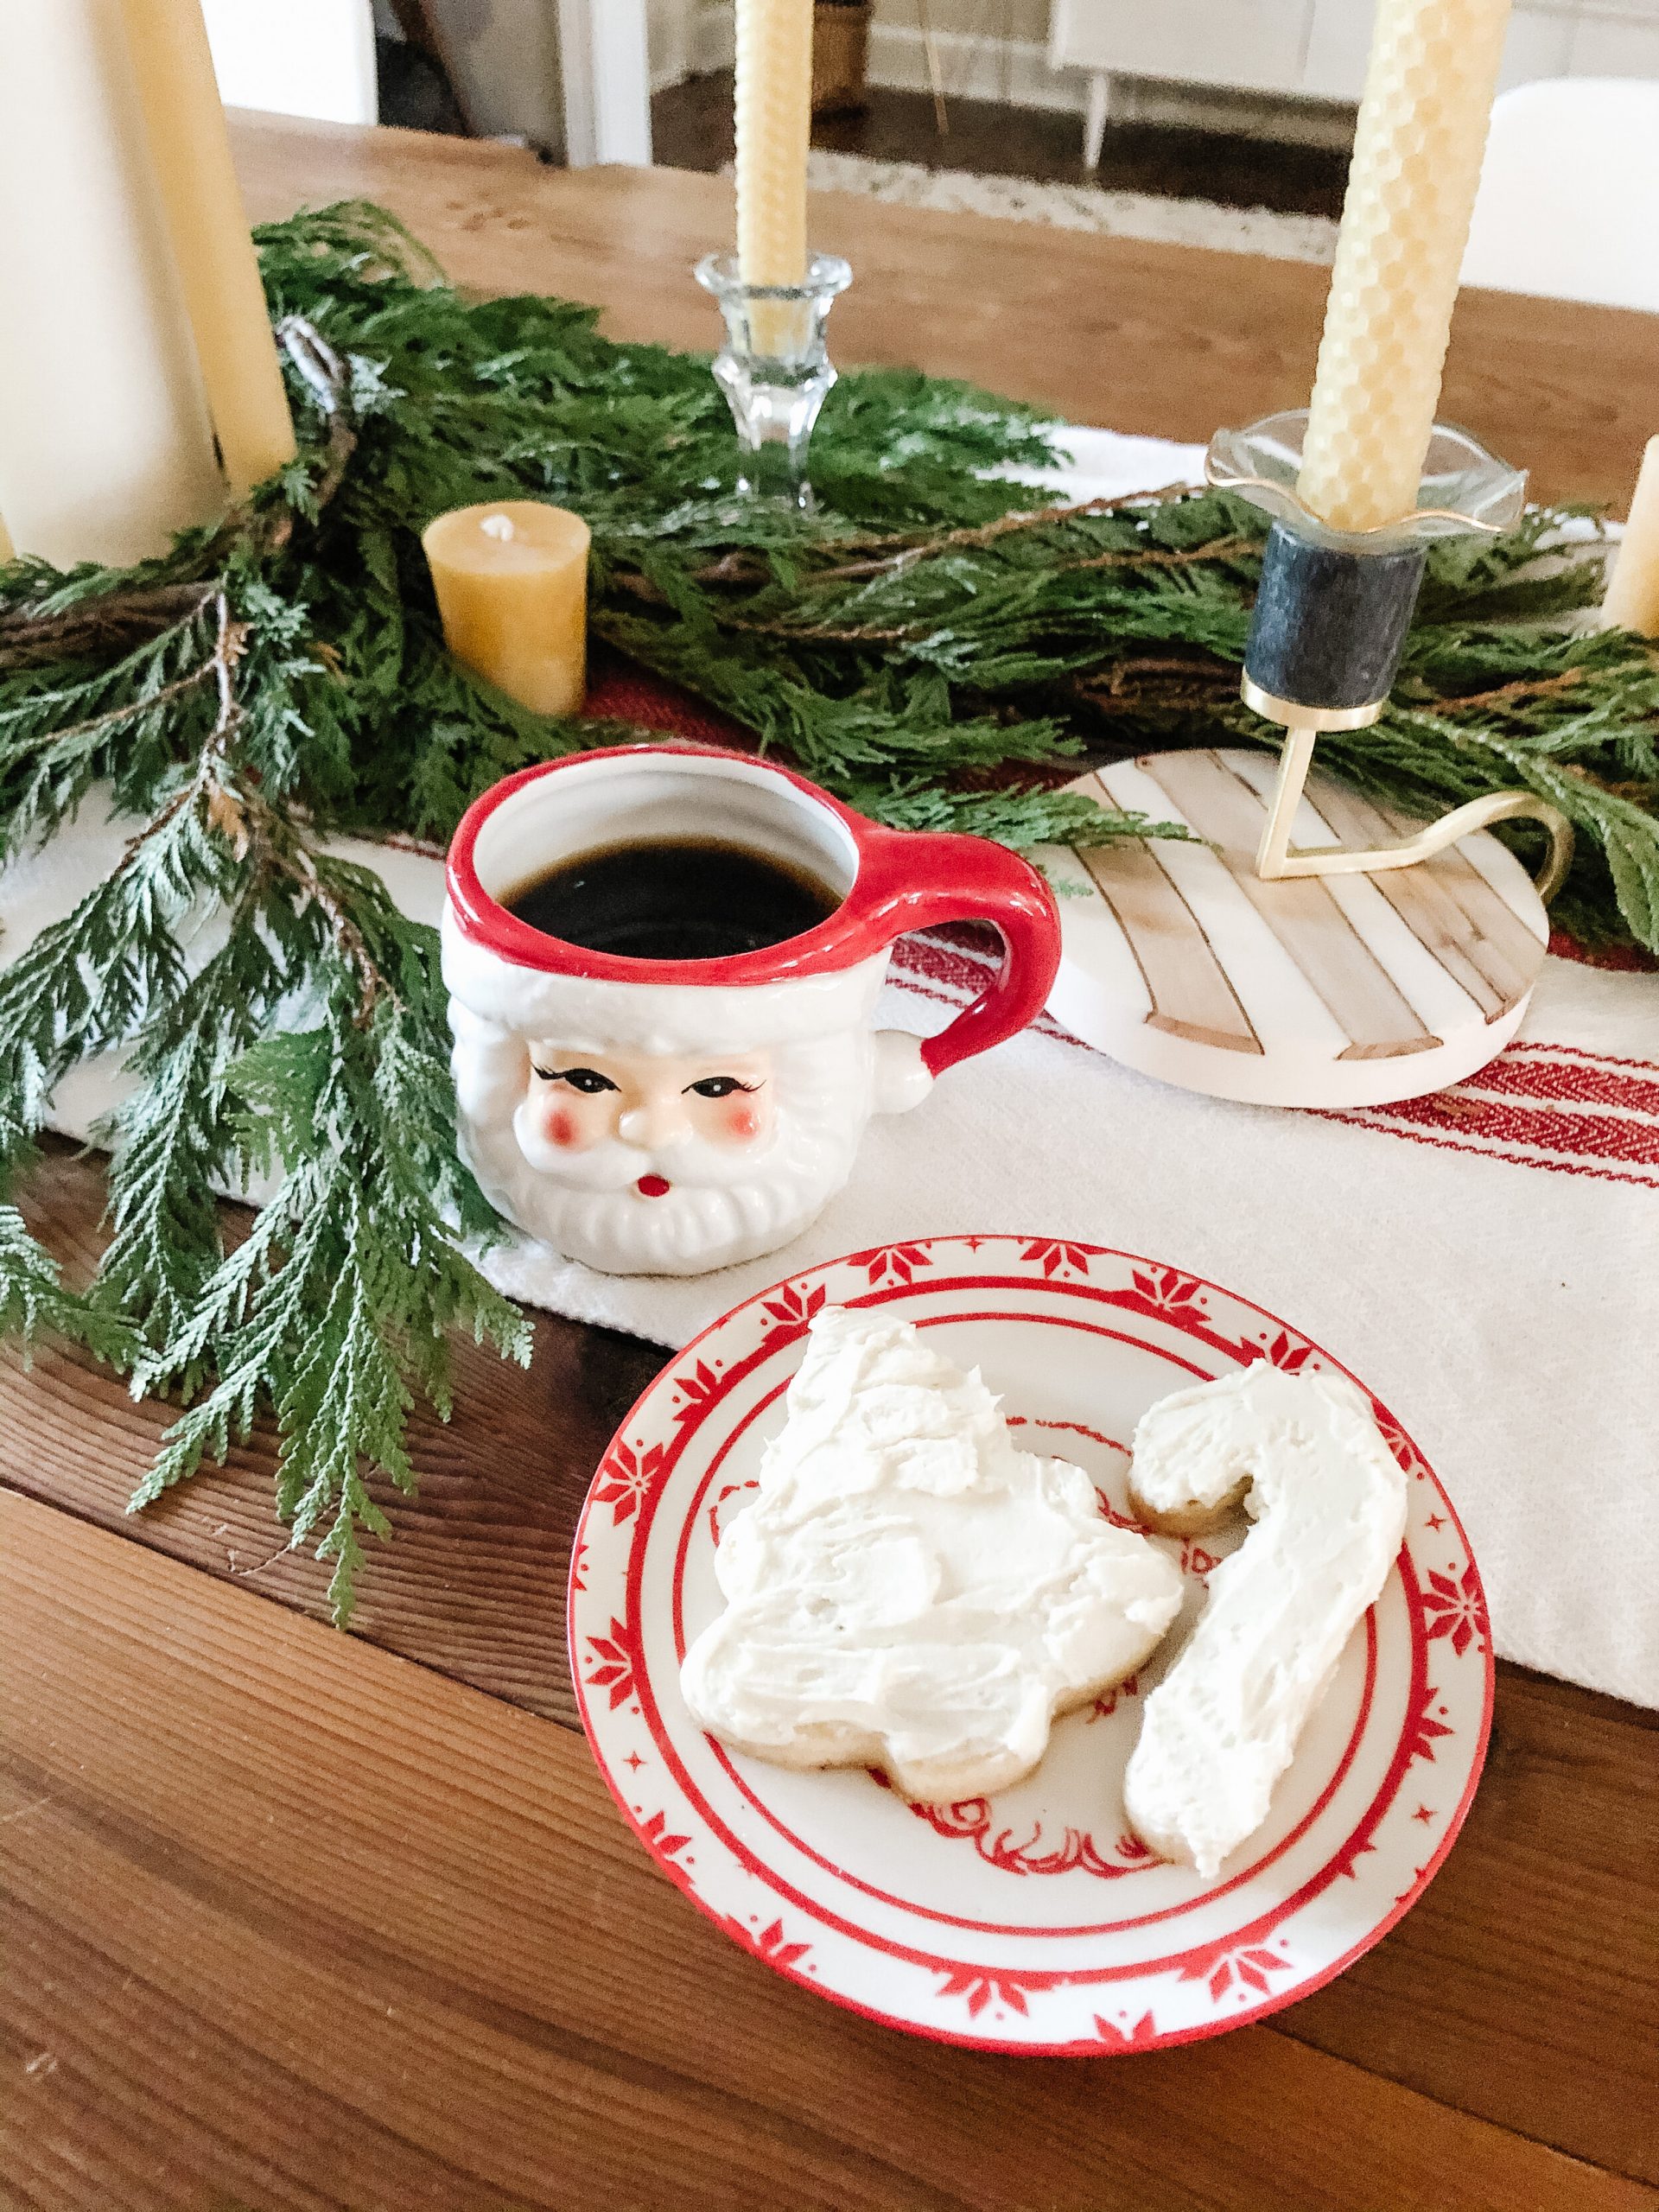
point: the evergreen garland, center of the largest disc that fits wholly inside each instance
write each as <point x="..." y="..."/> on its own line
<point x="924" y="645"/>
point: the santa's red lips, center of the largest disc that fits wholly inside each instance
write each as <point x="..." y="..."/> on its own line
<point x="653" y="1186"/>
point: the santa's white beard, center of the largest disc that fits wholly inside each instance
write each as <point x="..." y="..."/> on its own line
<point x="625" y="1233"/>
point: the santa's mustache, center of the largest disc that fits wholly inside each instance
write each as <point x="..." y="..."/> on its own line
<point x="615" y="1165"/>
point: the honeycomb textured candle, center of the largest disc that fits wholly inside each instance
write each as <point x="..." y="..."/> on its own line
<point x="1411" y="191"/>
<point x="774" y="123"/>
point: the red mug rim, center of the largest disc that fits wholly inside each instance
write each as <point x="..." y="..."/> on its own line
<point x="842" y="940"/>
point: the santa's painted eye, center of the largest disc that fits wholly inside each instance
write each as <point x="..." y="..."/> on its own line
<point x="588" y="1081"/>
<point x="718" y="1086"/>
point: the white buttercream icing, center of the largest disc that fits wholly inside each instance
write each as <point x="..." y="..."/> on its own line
<point x="1328" y="1499"/>
<point x="910" y="1590"/>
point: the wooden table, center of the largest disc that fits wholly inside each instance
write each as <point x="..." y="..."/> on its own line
<point x="299" y="1921"/>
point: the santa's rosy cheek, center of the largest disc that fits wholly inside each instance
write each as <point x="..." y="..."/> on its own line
<point x="742" y="1122"/>
<point x="561" y="1129"/>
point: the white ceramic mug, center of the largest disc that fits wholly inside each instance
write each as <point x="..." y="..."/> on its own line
<point x="667" y="1116"/>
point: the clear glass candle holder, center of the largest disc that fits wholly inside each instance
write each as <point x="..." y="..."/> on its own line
<point x="1463" y="487"/>
<point x="774" y="369"/>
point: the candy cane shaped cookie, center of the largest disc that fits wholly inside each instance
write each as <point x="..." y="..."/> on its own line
<point x="1328" y="1500"/>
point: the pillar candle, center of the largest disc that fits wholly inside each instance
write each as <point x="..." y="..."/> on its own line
<point x="1632" y="600"/>
<point x="774" y="127"/>
<point x="511" y="580"/>
<point x="1411" y="192"/>
<point x="173" y="66"/>
<point x="8" y="550"/>
<point x="105" y="448"/>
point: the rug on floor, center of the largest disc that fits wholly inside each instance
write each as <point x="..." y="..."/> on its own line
<point x="1080" y="208"/>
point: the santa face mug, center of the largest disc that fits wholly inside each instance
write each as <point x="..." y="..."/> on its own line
<point x="653" y="1114"/>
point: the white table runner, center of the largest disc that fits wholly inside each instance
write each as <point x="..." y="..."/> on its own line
<point x="1488" y="1261"/>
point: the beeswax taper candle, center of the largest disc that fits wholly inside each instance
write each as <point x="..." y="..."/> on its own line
<point x="511" y="581"/>
<point x="1411" y="192"/>
<point x="105" y="448"/>
<point x="173" y="66"/>
<point x="774" y="125"/>
<point x="1632" y="600"/>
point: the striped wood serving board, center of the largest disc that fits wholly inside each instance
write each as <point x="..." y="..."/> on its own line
<point x="1311" y="975"/>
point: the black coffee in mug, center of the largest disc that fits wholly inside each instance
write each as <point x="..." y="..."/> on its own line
<point x="673" y="899"/>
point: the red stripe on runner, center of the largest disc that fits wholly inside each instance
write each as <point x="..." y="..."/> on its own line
<point x="1584" y="1052"/>
<point x="1575" y="1082"/>
<point x="1580" y="1137"/>
<point x="923" y="956"/>
<point x="1357" y="1120"/>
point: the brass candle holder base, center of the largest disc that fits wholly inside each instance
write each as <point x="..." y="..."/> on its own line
<point x="1277" y="858"/>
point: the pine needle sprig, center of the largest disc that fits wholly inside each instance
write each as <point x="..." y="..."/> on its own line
<point x="34" y="1304"/>
<point x="341" y="1303"/>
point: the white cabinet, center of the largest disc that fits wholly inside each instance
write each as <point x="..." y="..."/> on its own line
<point x="1255" y="43"/>
<point x="1316" y="49"/>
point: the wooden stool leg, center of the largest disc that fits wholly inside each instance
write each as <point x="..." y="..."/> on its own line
<point x="1095" y="118"/>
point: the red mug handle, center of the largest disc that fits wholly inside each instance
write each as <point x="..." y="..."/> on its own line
<point x="914" y="879"/>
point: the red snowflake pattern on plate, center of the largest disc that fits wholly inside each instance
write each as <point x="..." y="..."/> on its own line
<point x="894" y="1262"/>
<point x="654" y="1832"/>
<point x="1143" y="2036"/>
<point x="616" y="1660"/>
<point x="984" y="1989"/>
<point x="1423" y="1728"/>
<point x="1055" y="1256"/>
<point x="768" y="1943"/>
<point x="1286" y="1354"/>
<point x="1247" y="1965"/>
<point x="1399" y="1443"/>
<point x="695" y="1390"/>
<point x="1168" y="1291"/>
<point x="791" y="1308"/>
<point x="625" y="1476"/>
<point x="1458" y="1608"/>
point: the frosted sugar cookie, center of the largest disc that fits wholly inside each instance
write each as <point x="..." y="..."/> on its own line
<point x="908" y="1589"/>
<point x="1328" y="1499"/>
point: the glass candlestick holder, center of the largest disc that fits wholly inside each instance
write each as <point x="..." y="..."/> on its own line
<point x="1330" y="626"/>
<point x="774" y="369"/>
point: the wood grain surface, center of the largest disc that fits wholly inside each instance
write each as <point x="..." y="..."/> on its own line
<point x="390" y="1935"/>
<point x="291" y="1921"/>
<point x="1164" y="340"/>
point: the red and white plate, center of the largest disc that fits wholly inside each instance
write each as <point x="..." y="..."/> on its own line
<point x="1033" y="1920"/>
